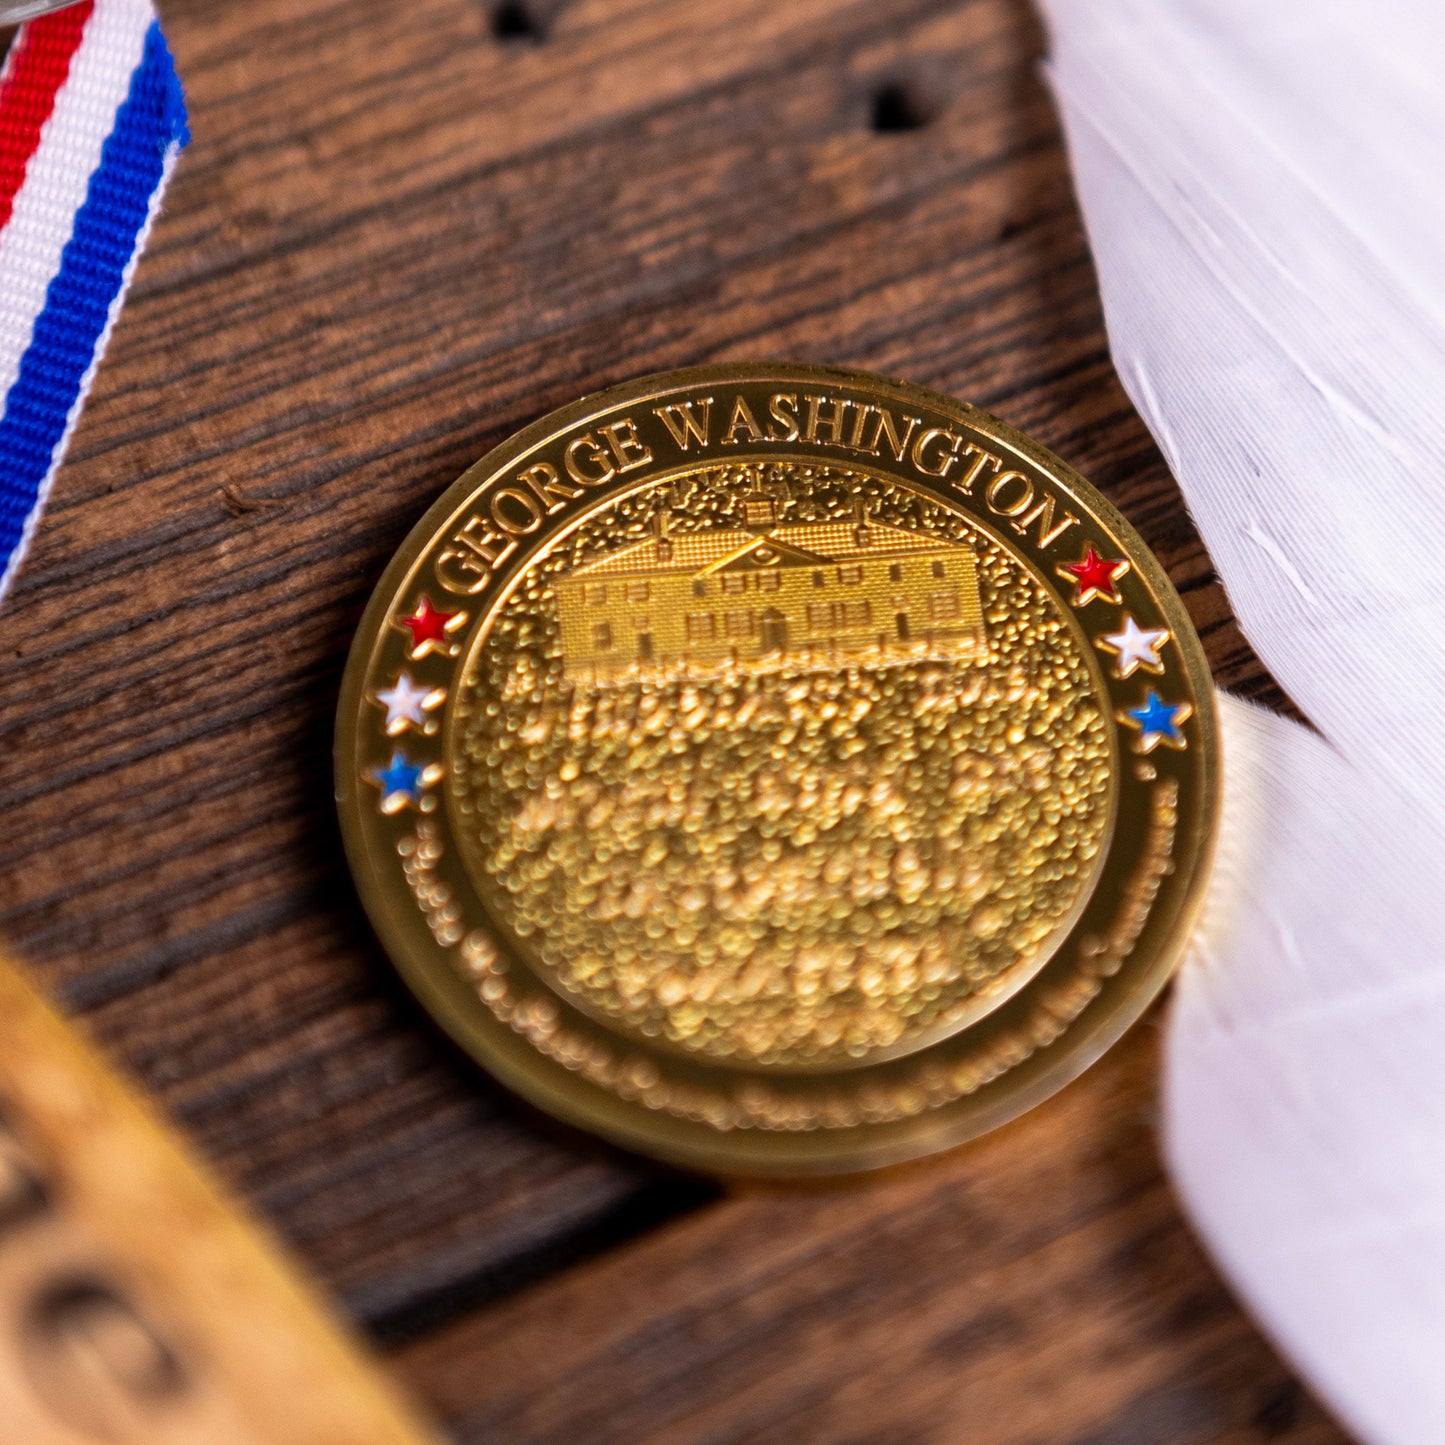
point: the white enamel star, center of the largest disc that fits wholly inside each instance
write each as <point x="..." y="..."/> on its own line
<point x="407" y="704"/>
<point x="1135" y="646"/>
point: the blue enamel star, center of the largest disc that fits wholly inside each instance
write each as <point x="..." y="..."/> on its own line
<point x="1157" y="721"/>
<point x="402" y="781"/>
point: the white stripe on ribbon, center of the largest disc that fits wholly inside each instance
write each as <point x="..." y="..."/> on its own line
<point x="117" y="305"/>
<point x="57" y="179"/>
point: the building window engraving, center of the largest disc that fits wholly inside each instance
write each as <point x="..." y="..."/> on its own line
<point x="826" y="591"/>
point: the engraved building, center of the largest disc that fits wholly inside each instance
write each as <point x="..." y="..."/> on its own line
<point x="810" y="592"/>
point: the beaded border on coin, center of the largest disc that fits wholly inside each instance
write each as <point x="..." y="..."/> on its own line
<point x="393" y="748"/>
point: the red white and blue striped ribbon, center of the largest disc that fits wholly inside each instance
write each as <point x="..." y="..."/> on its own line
<point x="91" y="122"/>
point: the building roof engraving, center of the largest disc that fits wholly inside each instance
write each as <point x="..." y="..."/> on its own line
<point x="801" y="544"/>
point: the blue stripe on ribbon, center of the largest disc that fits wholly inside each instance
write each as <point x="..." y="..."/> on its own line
<point x="92" y="271"/>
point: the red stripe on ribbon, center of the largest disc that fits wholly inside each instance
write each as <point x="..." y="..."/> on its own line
<point x="36" y="71"/>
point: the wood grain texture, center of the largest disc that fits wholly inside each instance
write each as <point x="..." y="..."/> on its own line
<point x="397" y="237"/>
<point x="1034" y="1286"/>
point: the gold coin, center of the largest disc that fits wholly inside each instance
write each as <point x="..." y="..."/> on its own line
<point x="778" y="770"/>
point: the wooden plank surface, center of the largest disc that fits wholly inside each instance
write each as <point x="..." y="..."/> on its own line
<point x="398" y="235"/>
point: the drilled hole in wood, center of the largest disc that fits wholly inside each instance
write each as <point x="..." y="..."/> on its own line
<point x="514" y="20"/>
<point x="900" y="106"/>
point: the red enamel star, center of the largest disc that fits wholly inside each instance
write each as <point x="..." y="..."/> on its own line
<point x="429" y="628"/>
<point x="1094" y="576"/>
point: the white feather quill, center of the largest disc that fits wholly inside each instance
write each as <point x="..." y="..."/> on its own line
<point x="1263" y="189"/>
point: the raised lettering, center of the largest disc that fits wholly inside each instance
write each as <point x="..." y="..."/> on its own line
<point x="981" y="459"/>
<point x="629" y="450"/>
<point x="548" y="487"/>
<point x="898" y="445"/>
<point x="1020" y="502"/>
<point x="477" y="537"/>
<point x="945" y="460"/>
<point x="504" y="504"/>
<point x="833" y="421"/>
<point x="683" y="424"/>
<point x="783" y="408"/>
<point x="594" y="455"/>
<point x="1049" y="530"/>
<point x="473" y="552"/>
<point x="743" y="417"/>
